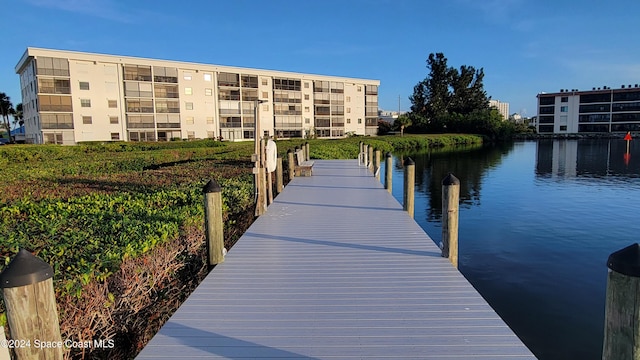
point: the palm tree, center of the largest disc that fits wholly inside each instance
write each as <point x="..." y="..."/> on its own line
<point x="403" y="121"/>
<point x="18" y="116"/>
<point x="6" y="109"/>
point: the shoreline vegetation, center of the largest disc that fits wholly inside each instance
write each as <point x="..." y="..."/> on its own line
<point x="122" y="223"/>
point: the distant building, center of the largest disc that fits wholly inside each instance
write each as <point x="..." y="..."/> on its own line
<point x="597" y="110"/>
<point x="71" y="97"/>
<point x="502" y="107"/>
<point x="389" y="116"/>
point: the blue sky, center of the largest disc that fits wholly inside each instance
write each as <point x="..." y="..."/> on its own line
<point x="524" y="46"/>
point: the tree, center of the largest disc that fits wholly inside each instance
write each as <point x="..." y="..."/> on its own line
<point x="445" y="98"/>
<point x="403" y="121"/>
<point x="6" y="109"/>
<point x="18" y="116"/>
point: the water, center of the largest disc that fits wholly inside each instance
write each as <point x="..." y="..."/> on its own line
<point x="537" y="223"/>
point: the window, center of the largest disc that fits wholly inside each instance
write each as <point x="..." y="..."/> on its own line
<point x="359" y="121"/>
<point x="306" y="85"/>
<point x="563" y="127"/>
<point x="115" y="136"/>
<point x="113" y="103"/>
<point x="188" y="106"/>
<point x="265" y="95"/>
<point x="348" y="98"/>
<point x="359" y="88"/>
<point x="188" y="91"/>
<point x="348" y="110"/>
<point x="307" y="120"/>
<point x="84" y="85"/>
<point x="306" y="96"/>
<point x="189" y="120"/>
<point x="265" y="107"/>
<point x="348" y="121"/>
<point x="187" y="76"/>
<point x="85" y="102"/>
<point x="113" y="120"/>
<point x="208" y="92"/>
<point x="210" y="135"/>
<point x="564" y="108"/>
<point x="207" y="77"/>
<point x="306" y="109"/>
<point x="87" y="120"/>
<point x="209" y="119"/>
<point x="564" y="99"/>
<point x="265" y="82"/>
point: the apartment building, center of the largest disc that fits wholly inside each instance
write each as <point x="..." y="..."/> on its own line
<point x="600" y="110"/>
<point x="502" y="107"/>
<point x="70" y="97"/>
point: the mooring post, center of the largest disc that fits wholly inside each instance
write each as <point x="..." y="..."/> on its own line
<point x="388" y="180"/>
<point x="622" y="323"/>
<point x="370" y="156"/>
<point x="409" y="186"/>
<point x="291" y="164"/>
<point x="213" y="223"/>
<point x="377" y="164"/>
<point x="279" y="180"/>
<point x="306" y="151"/>
<point x="365" y="152"/>
<point x="27" y="288"/>
<point x="450" y="204"/>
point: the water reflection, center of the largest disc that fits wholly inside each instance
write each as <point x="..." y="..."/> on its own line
<point x="565" y="159"/>
<point x="469" y="164"/>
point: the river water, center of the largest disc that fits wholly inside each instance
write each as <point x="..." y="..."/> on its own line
<point x="538" y="220"/>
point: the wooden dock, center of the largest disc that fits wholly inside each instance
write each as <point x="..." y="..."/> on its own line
<point x="335" y="270"/>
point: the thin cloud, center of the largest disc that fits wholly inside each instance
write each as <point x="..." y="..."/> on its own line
<point x="104" y="9"/>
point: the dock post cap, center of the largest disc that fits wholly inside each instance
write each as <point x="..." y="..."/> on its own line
<point x="388" y="154"/>
<point x="289" y="151"/>
<point x="25" y="269"/>
<point x="408" y="162"/>
<point x="626" y="261"/>
<point x="450" y="180"/>
<point x="211" y="187"/>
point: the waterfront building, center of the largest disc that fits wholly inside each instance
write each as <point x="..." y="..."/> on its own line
<point x="600" y="110"/>
<point x="70" y="97"/>
<point x="502" y="107"/>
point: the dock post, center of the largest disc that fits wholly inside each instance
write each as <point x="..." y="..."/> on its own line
<point x="279" y="180"/>
<point x="622" y="323"/>
<point x="388" y="180"/>
<point x="370" y="156"/>
<point x="409" y="186"/>
<point x="213" y="223"/>
<point x="365" y="153"/>
<point x="376" y="171"/>
<point x="27" y="288"/>
<point x="306" y="151"/>
<point x="291" y="164"/>
<point x="450" y="205"/>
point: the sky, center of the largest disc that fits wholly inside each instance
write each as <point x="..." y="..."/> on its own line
<point x="525" y="47"/>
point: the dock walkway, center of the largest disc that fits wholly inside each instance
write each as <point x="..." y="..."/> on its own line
<point x="335" y="269"/>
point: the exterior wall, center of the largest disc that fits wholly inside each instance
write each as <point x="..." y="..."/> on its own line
<point x="502" y="107"/>
<point x="106" y="97"/>
<point x="601" y="110"/>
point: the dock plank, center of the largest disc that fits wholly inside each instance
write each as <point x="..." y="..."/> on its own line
<point x="335" y="269"/>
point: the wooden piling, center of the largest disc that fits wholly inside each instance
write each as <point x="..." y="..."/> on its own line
<point x="388" y="180"/>
<point x="27" y="288"/>
<point x="306" y="151"/>
<point x="370" y="157"/>
<point x="291" y="164"/>
<point x="365" y="154"/>
<point x="213" y="223"/>
<point x="450" y="204"/>
<point x="622" y="323"/>
<point x="279" y="180"/>
<point x="376" y="163"/>
<point x="409" y="186"/>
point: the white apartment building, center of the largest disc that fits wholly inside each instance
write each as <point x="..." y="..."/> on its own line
<point x="70" y="97"/>
<point x="502" y="107"/>
<point x="600" y="110"/>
